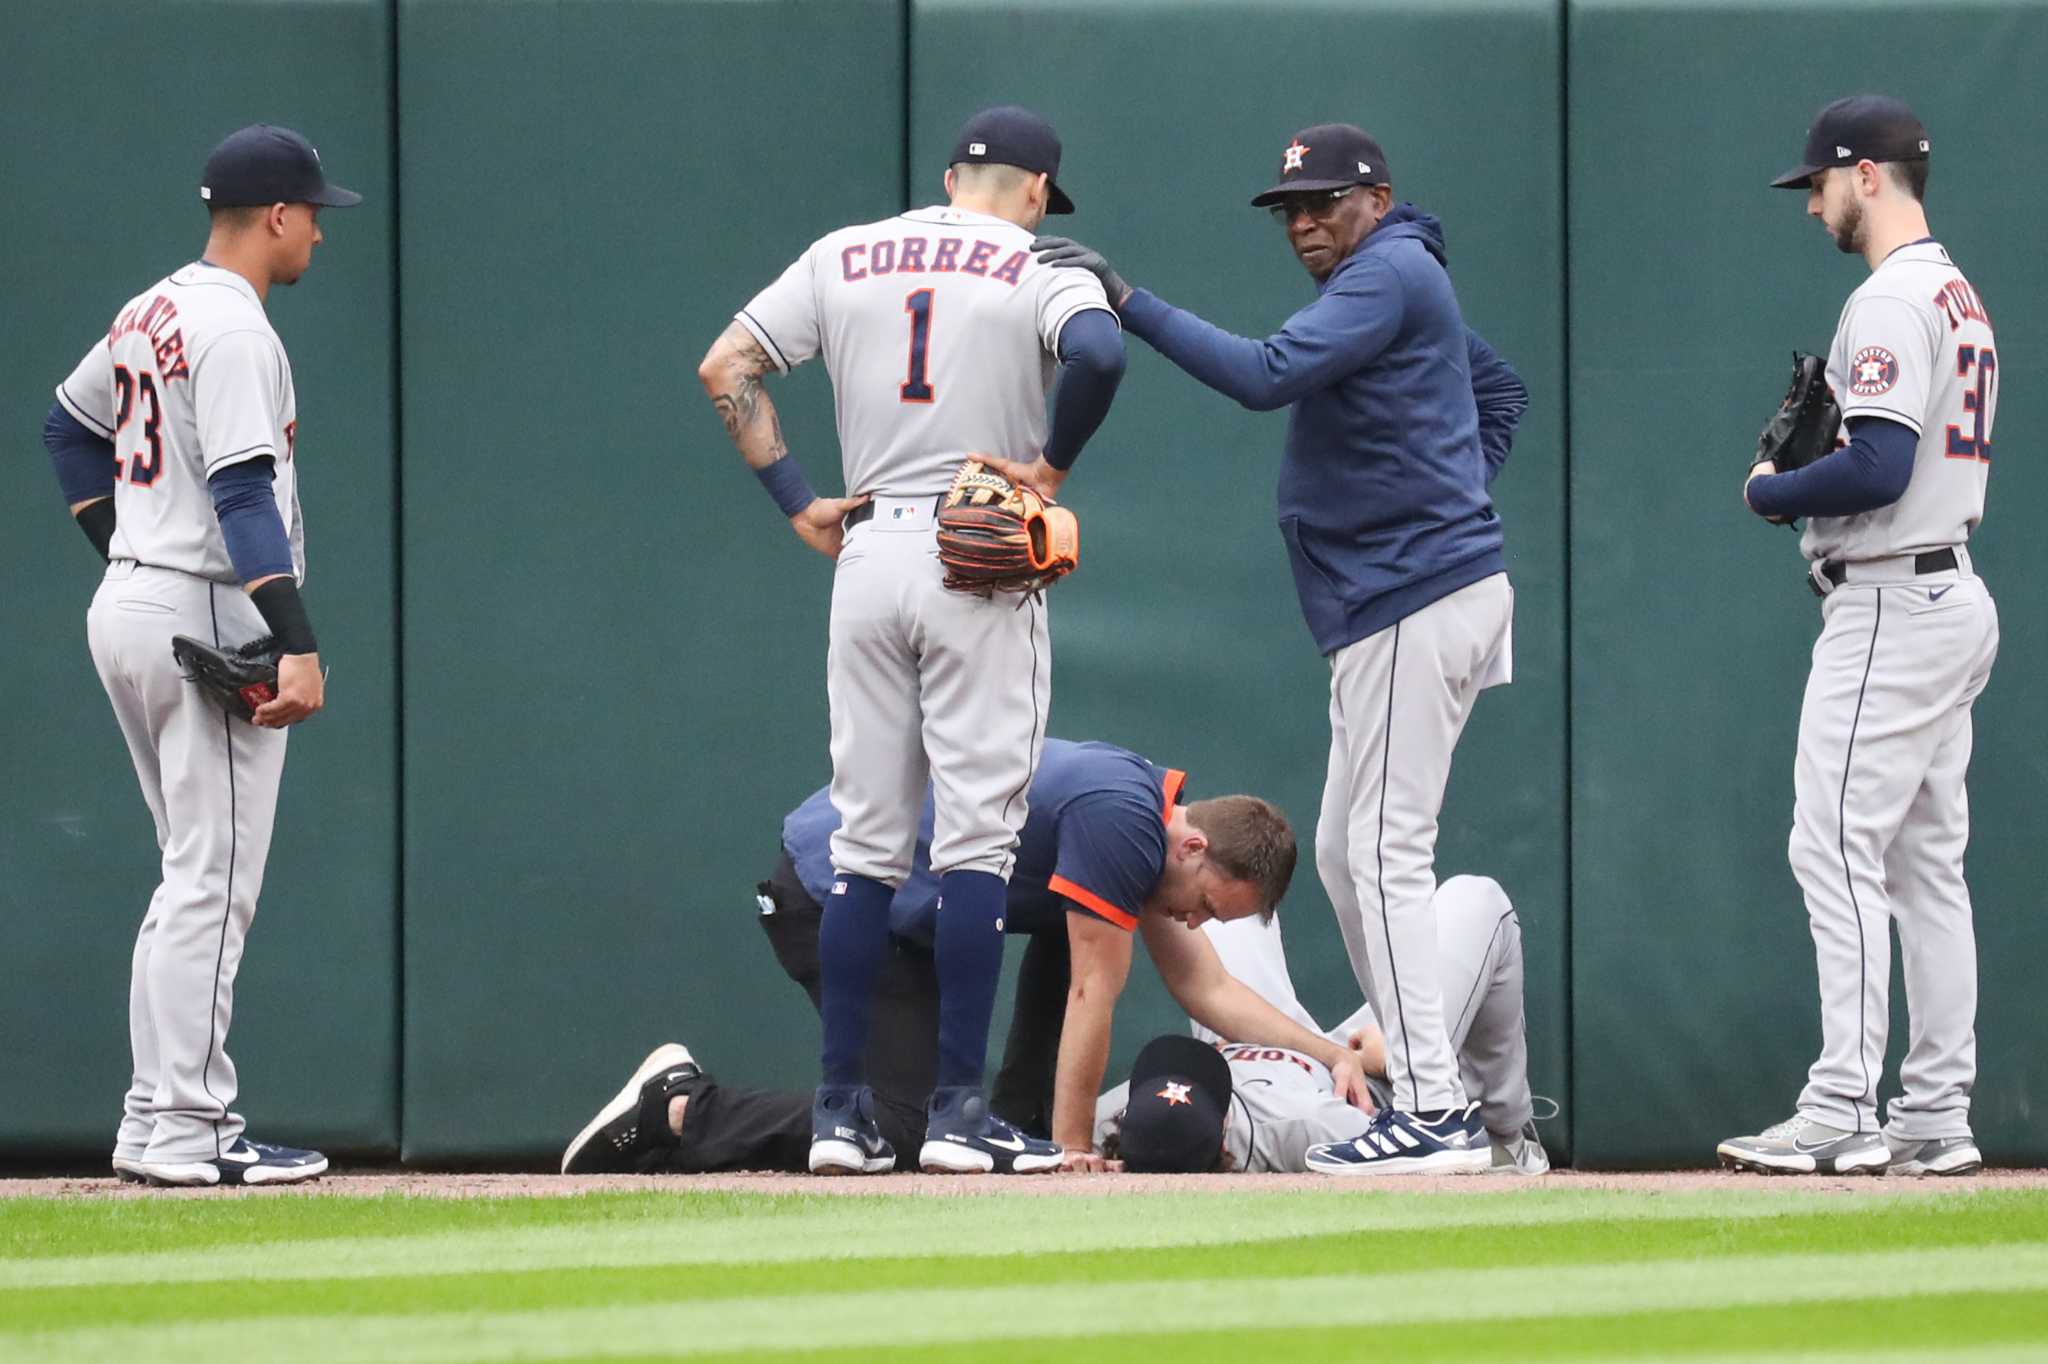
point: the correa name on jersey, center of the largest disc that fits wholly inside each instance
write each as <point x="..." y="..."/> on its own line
<point x="907" y="256"/>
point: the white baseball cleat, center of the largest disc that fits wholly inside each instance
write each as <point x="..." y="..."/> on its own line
<point x="1805" y="1146"/>
<point x="1940" y="1156"/>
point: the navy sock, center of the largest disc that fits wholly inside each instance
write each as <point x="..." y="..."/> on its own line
<point x="853" y="940"/>
<point x="968" y="948"/>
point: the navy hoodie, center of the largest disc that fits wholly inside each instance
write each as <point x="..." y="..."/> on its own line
<point x="1401" y="416"/>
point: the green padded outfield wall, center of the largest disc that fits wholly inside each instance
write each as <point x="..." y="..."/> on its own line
<point x="1695" y="1013"/>
<point x="614" y="647"/>
<point x="1180" y="635"/>
<point x="614" y="654"/>
<point x="109" y="111"/>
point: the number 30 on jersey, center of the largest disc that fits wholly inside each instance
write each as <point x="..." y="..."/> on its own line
<point x="1976" y="443"/>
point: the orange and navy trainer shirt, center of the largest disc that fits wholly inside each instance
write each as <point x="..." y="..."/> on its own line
<point x="1095" y="840"/>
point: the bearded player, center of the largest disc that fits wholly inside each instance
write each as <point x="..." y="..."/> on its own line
<point x="1907" y="638"/>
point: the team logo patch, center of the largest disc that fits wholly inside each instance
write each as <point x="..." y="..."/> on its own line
<point x="1874" y="372"/>
<point x="1290" y="160"/>
<point x="1175" y="1093"/>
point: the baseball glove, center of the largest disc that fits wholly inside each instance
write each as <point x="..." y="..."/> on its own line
<point x="238" y="680"/>
<point x="1804" y="426"/>
<point x="997" y="537"/>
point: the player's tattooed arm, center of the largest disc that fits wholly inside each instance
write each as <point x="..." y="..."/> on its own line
<point x="732" y="373"/>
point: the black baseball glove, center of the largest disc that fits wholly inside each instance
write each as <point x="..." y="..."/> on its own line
<point x="1804" y="426"/>
<point x="238" y="680"/>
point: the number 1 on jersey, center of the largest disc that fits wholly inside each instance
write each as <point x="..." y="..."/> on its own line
<point x="919" y="305"/>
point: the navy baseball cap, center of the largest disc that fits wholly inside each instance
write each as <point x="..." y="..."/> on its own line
<point x="1327" y="156"/>
<point x="1012" y="136"/>
<point x="1173" y="1123"/>
<point x="1859" y="128"/>
<point x="264" y="164"/>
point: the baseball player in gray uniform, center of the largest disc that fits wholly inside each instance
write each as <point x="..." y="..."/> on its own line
<point x="942" y="337"/>
<point x="1278" y="1108"/>
<point x="1908" y="634"/>
<point x="174" y="441"/>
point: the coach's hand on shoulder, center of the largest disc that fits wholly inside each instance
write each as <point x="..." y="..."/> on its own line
<point x="1070" y="254"/>
<point x="1038" y="476"/>
<point x="822" y="525"/>
<point x="301" y="692"/>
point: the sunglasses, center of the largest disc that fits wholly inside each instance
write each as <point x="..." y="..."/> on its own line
<point x="1319" y="205"/>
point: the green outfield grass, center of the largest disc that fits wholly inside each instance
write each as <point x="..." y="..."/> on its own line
<point x="1547" y="1273"/>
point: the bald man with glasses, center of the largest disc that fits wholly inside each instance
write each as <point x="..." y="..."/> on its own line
<point x="1399" y="418"/>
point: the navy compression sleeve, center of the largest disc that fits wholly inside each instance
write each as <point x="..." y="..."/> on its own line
<point x="249" y="522"/>
<point x="1091" y="367"/>
<point x="84" y="462"/>
<point x="1871" y="471"/>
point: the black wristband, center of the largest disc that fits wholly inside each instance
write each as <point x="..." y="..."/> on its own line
<point x="284" y="611"/>
<point x="96" y="519"/>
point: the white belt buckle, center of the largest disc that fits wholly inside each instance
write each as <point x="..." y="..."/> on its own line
<point x="1816" y="573"/>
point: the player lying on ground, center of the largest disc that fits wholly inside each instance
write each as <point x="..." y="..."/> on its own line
<point x="1280" y="1103"/>
<point x="1245" y="1106"/>
<point x="1107" y="851"/>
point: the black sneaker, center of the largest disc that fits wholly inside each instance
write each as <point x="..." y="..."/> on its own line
<point x="845" y="1139"/>
<point x="962" y="1136"/>
<point x="636" y="1120"/>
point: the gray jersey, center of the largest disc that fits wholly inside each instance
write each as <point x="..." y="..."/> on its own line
<point x="1282" y="1103"/>
<point x="1914" y="346"/>
<point x="189" y="380"/>
<point x="940" y="333"/>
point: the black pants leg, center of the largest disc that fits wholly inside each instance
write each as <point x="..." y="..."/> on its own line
<point x="902" y="1057"/>
<point x="1031" y="1054"/>
<point x="728" y="1127"/>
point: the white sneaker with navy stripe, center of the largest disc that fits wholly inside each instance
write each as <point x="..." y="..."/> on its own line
<point x="1451" y="1143"/>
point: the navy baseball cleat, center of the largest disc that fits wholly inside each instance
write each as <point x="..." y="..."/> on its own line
<point x="246" y="1162"/>
<point x="1453" y="1142"/>
<point x="844" y="1137"/>
<point x="635" y="1121"/>
<point x="961" y="1136"/>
